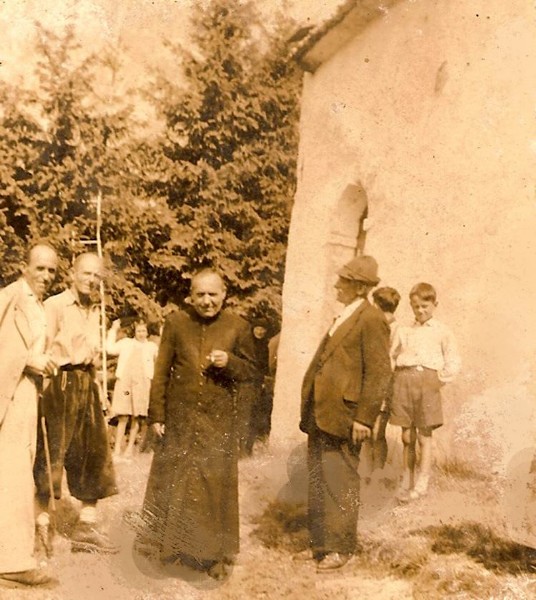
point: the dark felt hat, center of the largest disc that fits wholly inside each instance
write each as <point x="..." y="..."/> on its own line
<point x="361" y="268"/>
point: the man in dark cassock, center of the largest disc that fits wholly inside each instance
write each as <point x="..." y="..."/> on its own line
<point x="191" y="502"/>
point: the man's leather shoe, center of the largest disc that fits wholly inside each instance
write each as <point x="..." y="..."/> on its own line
<point x="219" y="571"/>
<point x="27" y="579"/>
<point x="530" y="558"/>
<point x="87" y="538"/>
<point x="304" y="555"/>
<point x="402" y="496"/>
<point x="332" y="561"/>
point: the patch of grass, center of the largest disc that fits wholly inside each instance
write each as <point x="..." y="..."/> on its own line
<point x="520" y="588"/>
<point x="454" y="577"/>
<point x="462" y="470"/>
<point x="466" y="560"/>
<point x="403" y="556"/>
<point x="480" y="543"/>
<point x="283" y="526"/>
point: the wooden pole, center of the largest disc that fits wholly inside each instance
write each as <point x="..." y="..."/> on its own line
<point x="102" y="303"/>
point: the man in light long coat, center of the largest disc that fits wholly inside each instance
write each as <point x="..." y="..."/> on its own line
<point x="23" y="362"/>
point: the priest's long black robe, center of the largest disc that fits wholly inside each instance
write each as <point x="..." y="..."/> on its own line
<point x="191" y="502"/>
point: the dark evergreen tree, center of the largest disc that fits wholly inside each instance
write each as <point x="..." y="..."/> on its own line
<point x="62" y="145"/>
<point x="229" y="149"/>
<point x="215" y="187"/>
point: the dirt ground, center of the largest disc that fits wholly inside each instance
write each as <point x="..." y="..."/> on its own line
<point x="451" y="544"/>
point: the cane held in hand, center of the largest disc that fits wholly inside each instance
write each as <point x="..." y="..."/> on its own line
<point x="46" y="534"/>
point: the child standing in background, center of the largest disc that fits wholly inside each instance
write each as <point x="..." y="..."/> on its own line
<point x="135" y="369"/>
<point x="386" y="299"/>
<point x="425" y="357"/>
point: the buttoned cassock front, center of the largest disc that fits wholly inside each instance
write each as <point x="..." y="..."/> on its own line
<point x="191" y="501"/>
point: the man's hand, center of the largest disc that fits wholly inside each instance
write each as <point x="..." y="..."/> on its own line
<point x="360" y="432"/>
<point x="159" y="429"/>
<point x="116" y="324"/>
<point x="42" y="364"/>
<point x="218" y="358"/>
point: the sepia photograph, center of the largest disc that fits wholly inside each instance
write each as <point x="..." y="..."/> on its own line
<point x="267" y="290"/>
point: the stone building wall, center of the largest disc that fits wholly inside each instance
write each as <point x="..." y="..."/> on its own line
<point x="428" y="118"/>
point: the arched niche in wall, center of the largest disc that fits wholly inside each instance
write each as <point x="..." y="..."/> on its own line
<point x="346" y="237"/>
<point x="347" y="234"/>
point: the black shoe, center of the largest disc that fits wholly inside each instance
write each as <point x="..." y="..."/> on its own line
<point x="87" y="538"/>
<point x="219" y="571"/>
<point x="304" y="556"/>
<point x="332" y="561"/>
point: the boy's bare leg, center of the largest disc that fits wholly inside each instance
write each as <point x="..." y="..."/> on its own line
<point x="425" y="445"/>
<point x="409" y="438"/>
<point x="134" y="428"/>
<point x="120" y="434"/>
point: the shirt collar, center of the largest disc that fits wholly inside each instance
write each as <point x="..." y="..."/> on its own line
<point x="430" y="323"/>
<point x="28" y="290"/>
<point x="74" y="298"/>
<point x="349" y="308"/>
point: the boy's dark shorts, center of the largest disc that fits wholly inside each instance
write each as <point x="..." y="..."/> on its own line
<point x="416" y="398"/>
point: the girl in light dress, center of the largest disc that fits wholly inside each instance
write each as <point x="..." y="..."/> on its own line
<point x="135" y="369"/>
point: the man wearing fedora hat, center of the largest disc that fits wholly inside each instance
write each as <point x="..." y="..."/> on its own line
<point x="343" y="390"/>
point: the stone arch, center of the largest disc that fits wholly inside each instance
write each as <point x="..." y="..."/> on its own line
<point x="347" y="235"/>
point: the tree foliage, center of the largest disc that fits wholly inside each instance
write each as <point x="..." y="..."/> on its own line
<point x="213" y="188"/>
<point x="228" y="152"/>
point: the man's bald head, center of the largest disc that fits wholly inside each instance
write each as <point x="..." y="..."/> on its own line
<point x="209" y="274"/>
<point x="40" y="250"/>
<point x="87" y="258"/>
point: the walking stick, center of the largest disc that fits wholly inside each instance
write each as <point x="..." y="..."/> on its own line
<point x="51" y="529"/>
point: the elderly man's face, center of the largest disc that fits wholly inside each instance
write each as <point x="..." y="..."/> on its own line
<point x="347" y="290"/>
<point x="41" y="269"/>
<point x="87" y="275"/>
<point x="207" y="294"/>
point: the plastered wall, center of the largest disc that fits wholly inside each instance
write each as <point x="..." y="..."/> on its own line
<point x="432" y="110"/>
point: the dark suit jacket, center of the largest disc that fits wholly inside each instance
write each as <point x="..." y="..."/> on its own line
<point x="349" y="376"/>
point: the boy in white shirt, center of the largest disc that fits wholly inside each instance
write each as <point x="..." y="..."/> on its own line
<point x="425" y="357"/>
